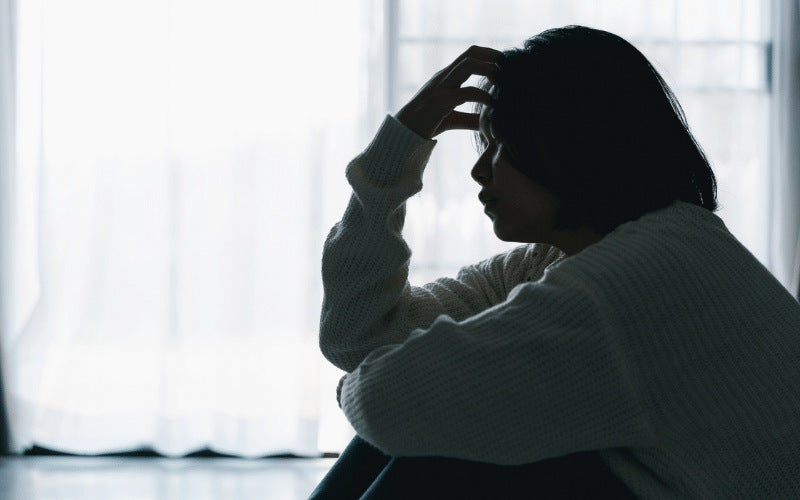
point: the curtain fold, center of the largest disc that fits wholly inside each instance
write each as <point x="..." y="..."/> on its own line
<point x="785" y="137"/>
<point x="7" y="195"/>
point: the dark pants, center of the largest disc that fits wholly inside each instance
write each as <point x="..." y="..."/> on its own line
<point x="363" y="472"/>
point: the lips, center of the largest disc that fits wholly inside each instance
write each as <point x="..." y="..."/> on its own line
<point x="488" y="201"/>
<point x="486" y="198"/>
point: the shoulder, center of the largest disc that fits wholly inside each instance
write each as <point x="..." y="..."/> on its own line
<point x="664" y="245"/>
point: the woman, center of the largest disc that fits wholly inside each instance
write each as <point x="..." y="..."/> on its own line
<point x="631" y="348"/>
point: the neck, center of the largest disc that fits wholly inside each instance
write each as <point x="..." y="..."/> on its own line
<point x="572" y="241"/>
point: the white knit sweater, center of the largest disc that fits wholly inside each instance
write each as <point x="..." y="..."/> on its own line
<point x="666" y="346"/>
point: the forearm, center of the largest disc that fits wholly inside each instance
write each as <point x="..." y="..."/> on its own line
<point x="365" y="259"/>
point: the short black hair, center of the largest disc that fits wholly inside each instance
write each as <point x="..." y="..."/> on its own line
<point x="613" y="137"/>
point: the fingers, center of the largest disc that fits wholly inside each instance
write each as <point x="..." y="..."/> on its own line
<point x="460" y="95"/>
<point x="459" y="120"/>
<point x="486" y="55"/>
<point x="483" y="53"/>
<point x="431" y="110"/>
<point x="466" y="68"/>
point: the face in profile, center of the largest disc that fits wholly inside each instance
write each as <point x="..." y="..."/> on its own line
<point x="521" y="209"/>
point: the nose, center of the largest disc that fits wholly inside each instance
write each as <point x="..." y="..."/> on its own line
<point x="482" y="170"/>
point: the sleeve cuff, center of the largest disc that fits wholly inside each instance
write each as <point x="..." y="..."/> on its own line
<point x="396" y="153"/>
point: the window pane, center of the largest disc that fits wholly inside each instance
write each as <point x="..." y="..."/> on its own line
<point x="711" y="52"/>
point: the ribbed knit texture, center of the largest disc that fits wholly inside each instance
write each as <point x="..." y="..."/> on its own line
<point x="666" y="346"/>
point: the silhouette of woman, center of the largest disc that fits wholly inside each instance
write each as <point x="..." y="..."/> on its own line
<point x="631" y="347"/>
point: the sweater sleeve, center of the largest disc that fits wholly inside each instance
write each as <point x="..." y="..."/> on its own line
<point x="368" y="302"/>
<point x="538" y="376"/>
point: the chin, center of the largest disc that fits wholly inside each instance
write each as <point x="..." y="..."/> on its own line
<point x="510" y="235"/>
<point x="507" y="236"/>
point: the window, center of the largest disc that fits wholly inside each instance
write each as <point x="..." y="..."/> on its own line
<point x="180" y="163"/>
<point x="713" y="53"/>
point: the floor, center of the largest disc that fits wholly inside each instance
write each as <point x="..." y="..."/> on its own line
<point x="143" y="478"/>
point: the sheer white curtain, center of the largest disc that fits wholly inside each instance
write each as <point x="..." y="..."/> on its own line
<point x="785" y="175"/>
<point x="7" y="154"/>
<point x="176" y="159"/>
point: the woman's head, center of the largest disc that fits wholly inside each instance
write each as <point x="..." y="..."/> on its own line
<point x="584" y="115"/>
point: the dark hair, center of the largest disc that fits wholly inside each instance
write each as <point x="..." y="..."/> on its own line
<point x="584" y="113"/>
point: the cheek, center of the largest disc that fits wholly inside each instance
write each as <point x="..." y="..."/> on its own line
<point x="510" y="181"/>
<point x="531" y="200"/>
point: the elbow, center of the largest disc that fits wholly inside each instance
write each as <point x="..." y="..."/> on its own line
<point x="332" y="347"/>
<point x="371" y="410"/>
<point x="368" y="424"/>
<point x="339" y="357"/>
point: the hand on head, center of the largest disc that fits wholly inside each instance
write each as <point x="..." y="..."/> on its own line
<point x="432" y="110"/>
